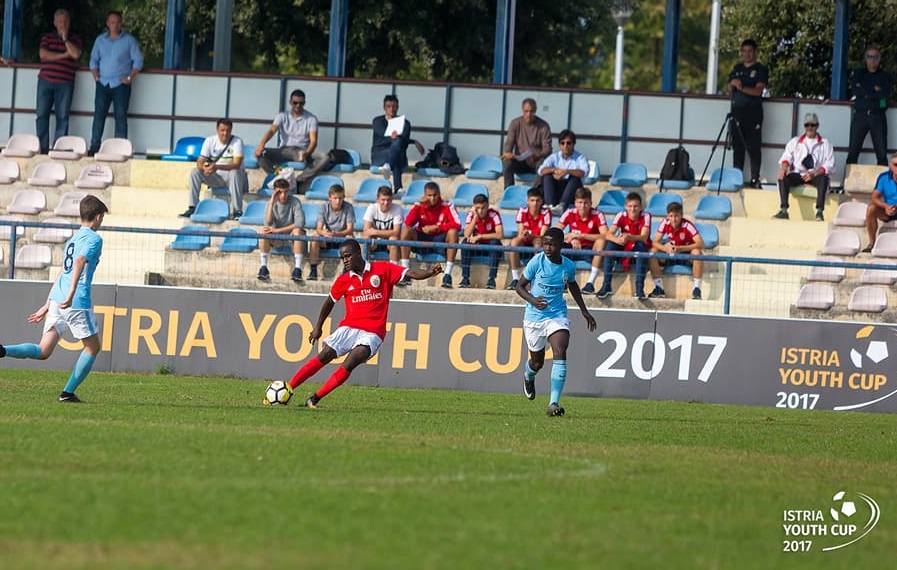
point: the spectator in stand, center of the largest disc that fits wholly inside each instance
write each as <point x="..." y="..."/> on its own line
<point x="115" y="61"/>
<point x="482" y="226"/>
<point x="884" y="202"/>
<point x="808" y="159"/>
<point x="60" y="51"/>
<point x="220" y="164"/>
<point x="388" y="148"/>
<point x="528" y="143"/>
<point x="675" y="235"/>
<point x="630" y="231"/>
<point x="588" y="230"/>
<point x="336" y="220"/>
<point x="747" y="82"/>
<point x="297" y="131"/>
<point x="562" y="173"/>
<point x="532" y="222"/>
<point x="383" y="220"/>
<point x="871" y="86"/>
<point x="284" y="216"/>
<point x="432" y="220"/>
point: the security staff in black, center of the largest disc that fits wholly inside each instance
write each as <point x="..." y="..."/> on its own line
<point x="746" y="84"/>
<point x="871" y="88"/>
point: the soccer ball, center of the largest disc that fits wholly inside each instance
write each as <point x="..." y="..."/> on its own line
<point x="278" y="393"/>
<point x="847" y="509"/>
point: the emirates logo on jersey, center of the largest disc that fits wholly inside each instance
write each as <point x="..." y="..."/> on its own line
<point x="375" y="281"/>
<point x="367" y="295"/>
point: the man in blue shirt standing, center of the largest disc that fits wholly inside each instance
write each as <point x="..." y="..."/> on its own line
<point x="545" y="318"/>
<point x="69" y="307"/>
<point x="114" y="62"/>
<point x="884" y="202"/>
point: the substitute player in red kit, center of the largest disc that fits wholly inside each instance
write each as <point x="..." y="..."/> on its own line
<point x="367" y="288"/>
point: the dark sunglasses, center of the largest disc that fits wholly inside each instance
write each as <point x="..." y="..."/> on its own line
<point x="297" y="102"/>
<point x="565" y="143"/>
<point x="808" y="125"/>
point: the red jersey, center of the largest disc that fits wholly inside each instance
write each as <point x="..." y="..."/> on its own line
<point x="531" y="224"/>
<point x="485" y="225"/>
<point x="633" y="227"/>
<point x="590" y="225"/>
<point x="685" y="235"/>
<point x="367" y="295"/>
<point x="443" y="214"/>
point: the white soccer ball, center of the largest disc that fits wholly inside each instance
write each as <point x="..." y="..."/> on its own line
<point x="278" y="393"/>
<point x="846" y="508"/>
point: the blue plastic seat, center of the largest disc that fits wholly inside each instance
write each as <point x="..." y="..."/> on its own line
<point x="265" y="190"/>
<point x="712" y="207"/>
<point x="629" y="175"/>
<point x="709" y="233"/>
<point x="294" y="164"/>
<point x="311" y="211"/>
<point x="359" y="217"/>
<point x="320" y="187"/>
<point x="187" y="149"/>
<point x="525" y="176"/>
<point x="509" y="225"/>
<point x="249" y="159"/>
<point x="612" y="202"/>
<point x="240" y="240"/>
<point x="678" y="184"/>
<point x="415" y="191"/>
<point x="211" y="211"/>
<point x="353" y="166"/>
<point x="657" y="203"/>
<point x="367" y="192"/>
<point x="191" y="242"/>
<point x="432" y="172"/>
<point x="513" y="198"/>
<point x="254" y="214"/>
<point x="725" y="180"/>
<point x="465" y="193"/>
<point x="485" y="167"/>
<point x="593" y="175"/>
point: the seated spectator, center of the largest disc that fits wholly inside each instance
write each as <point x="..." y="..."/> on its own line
<point x="629" y="231"/>
<point x="336" y="220"/>
<point x="432" y="220"/>
<point x="588" y="230"/>
<point x="884" y="202"/>
<point x="532" y="222"/>
<point x="388" y="148"/>
<point x="562" y="173"/>
<point x="297" y="130"/>
<point x="483" y="226"/>
<point x="808" y="159"/>
<point x="383" y="220"/>
<point x="528" y="143"/>
<point x="681" y="236"/>
<point x="220" y="164"/>
<point x="284" y="216"/>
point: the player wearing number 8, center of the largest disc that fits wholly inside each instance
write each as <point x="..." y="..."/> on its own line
<point x="69" y="307"/>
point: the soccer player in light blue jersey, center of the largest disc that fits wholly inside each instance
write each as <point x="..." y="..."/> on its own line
<point x="69" y="307"/>
<point x="545" y="318"/>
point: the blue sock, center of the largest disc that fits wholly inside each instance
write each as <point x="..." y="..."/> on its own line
<point x="26" y="350"/>
<point x="530" y="373"/>
<point x="79" y="372"/>
<point x="558" y="377"/>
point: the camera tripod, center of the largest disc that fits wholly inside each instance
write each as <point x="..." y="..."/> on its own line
<point x="727" y="127"/>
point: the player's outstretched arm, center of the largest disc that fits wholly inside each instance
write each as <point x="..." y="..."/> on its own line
<point x="523" y="292"/>
<point x="316" y="332"/>
<point x="573" y="287"/>
<point x="421" y="274"/>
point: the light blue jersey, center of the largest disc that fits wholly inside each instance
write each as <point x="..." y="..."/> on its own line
<point x="88" y="244"/>
<point x="548" y="280"/>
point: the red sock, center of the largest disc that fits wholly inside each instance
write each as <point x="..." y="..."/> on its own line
<point x="332" y="383"/>
<point x="307" y="371"/>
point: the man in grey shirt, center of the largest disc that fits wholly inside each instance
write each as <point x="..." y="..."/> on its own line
<point x="284" y="216"/>
<point x="297" y="131"/>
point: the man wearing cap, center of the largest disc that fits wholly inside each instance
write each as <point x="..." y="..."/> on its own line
<point x="808" y="160"/>
<point x="871" y="87"/>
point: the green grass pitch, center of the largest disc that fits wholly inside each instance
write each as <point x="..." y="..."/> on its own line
<point x="160" y="471"/>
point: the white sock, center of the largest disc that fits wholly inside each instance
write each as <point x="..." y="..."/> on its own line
<point x="299" y="258"/>
<point x="698" y="283"/>
<point x="406" y="263"/>
<point x="658" y="282"/>
<point x="264" y="259"/>
<point x="593" y="274"/>
<point x="515" y="274"/>
<point x="449" y="265"/>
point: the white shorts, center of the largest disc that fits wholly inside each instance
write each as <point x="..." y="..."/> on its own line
<point x="537" y="332"/>
<point x="80" y="323"/>
<point x="344" y="339"/>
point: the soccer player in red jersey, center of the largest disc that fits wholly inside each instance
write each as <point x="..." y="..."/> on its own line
<point x="367" y="288"/>
<point x="532" y="222"/>
<point x="482" y="225"/>
<point x="630" y="231"/>
<point x="432" y="220"/>
<point x="588" y="230"/>
<point x="682" y="236"/>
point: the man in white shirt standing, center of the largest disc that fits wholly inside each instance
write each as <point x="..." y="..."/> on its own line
<point x="220" y="164"/>
<point x="297" y="130"/>
<point x="808" y="159"/>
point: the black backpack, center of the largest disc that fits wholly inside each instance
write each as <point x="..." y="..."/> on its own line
<point x="676" y="165"/>
<point x="444" y="157"/>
